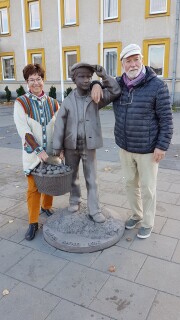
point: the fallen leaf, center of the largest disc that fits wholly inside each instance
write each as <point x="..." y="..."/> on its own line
<point x="112" y="269"/>
<point x="5" y="292"/>
<point x="128" y="239"/>
<point x="107" y="169"/>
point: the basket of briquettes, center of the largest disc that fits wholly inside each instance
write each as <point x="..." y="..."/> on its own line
<point x="53" y="177"/>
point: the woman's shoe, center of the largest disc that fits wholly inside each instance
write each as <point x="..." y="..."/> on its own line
<point x="48" y="212"/>
<point x="31" y="231"/>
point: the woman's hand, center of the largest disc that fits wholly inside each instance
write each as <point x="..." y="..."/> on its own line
<point x="43" y="156"/>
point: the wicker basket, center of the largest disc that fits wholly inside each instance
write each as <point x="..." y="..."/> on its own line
<point x="53" y="185"/>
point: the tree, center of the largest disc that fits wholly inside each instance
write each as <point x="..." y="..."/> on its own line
<point x="8" y="93"/>
<point x="67" y="91"/>
<point x="20" y="91"/>
<point x="52" y="92"/>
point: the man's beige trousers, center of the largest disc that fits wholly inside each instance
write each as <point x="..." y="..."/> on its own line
<point x="140" y="173"/>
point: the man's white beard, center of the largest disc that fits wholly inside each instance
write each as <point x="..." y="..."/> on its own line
<point x="133" y="73"/>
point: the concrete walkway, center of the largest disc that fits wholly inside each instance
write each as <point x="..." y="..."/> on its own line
<point x="45" y="283"/>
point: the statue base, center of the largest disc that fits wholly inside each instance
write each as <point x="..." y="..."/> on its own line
<point x="77" y="232"/>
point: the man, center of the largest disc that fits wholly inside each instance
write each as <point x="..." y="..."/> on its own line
<point x="143" y="131"/>
<point x="34" y="116"/>
<point x="77" y="133"/>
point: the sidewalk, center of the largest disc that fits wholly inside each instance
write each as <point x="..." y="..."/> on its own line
<point x="48" y="284"/>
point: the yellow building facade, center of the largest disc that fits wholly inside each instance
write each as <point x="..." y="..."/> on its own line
<point x="58" y="33"/>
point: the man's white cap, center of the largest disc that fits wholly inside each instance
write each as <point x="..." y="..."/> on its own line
<point x="130" y="50"/>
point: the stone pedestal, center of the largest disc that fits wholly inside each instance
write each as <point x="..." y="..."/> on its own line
<point x="77" y="232"/>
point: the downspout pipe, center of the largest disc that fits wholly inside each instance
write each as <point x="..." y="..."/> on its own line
<point x="24" y="32"/>
<point x="176" y="41"/>
<point x="101" y="31"/>
<point x="60" y="50"/>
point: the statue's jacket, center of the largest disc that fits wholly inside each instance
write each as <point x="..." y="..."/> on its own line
<point x="66" y="124"/>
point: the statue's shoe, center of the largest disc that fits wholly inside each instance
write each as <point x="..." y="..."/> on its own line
<point x="98" y="217"/>
<point x="73" y="208"/>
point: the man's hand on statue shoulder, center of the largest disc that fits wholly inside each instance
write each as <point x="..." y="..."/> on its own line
<point x="97" y="89"/>
<point x="158" y="155"/>
<point x="96" y="93"/>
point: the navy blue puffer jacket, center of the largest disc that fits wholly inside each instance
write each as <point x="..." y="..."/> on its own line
<point x="143" y="116"/>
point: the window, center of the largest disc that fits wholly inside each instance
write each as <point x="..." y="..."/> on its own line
<point x="33" y="15"/>
<point x="111" y="10"/>
<point x="4" y="18"/>
<point x="111" y="61"/>
<point x="36" y="56"/>
<point x="71" y="55"/>
<point x="69" y="12"/>
<point x="7" y="66"/>
<point x="156" y="56"/>
<point x="156" y="8"/>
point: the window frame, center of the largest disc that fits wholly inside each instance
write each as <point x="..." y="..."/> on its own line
<point x="62" y="6"/>
<point x="27" y="15"/>
<point x="110" y="20"/>
<point x="64" y="51"/>
<point x="3" y="55"/>
<point x="160" y="41"/>
<point x="31" y="52"/>
<point x="5" y="5"/>
<point x="155" y="15"/>
<point x="112" y="45"/>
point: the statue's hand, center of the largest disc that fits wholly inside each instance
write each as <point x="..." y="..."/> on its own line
<point x="61" y="156"/>
<point x="100" y="71"/>
<point x="56" y="152"/>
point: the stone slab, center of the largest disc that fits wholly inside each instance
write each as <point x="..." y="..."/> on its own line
<point x="65" y="310"/>
<point x="6" y="283"/>
<point x="76" y="232"/>
<point x="156" y="245"/>
<point x="122" y="299"/>
<point x="161" y="275"/>
<point x="11" y="253"/>
<point x="78" y="284"/>
<point x="165" y="307"/>
<point x="171" y="228"/>
<point x="127" y="263"/>
<point x="26" y="302"/>
<point x="176" y="255"/>
<point x="37" y="269"/>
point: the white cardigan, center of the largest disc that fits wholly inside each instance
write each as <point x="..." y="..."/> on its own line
<point x="28" y="124"/>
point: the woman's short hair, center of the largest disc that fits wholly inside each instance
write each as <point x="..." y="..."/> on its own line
<point x="33" y="69"/>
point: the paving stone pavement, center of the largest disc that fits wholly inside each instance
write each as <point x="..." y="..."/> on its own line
<point x="45" y="283"/>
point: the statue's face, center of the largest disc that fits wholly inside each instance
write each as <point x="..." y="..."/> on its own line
<point x="83" y="79"/>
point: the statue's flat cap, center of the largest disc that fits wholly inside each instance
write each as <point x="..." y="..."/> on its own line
<point x="82" y="65"/>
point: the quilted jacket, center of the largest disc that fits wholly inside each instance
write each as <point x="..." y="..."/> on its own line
<point x="143" y="116"/>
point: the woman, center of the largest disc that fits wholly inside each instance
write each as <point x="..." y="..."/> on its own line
<point x="34" y="116"/>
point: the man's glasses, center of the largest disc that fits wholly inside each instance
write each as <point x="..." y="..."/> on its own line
<point x="32" y="81"/>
